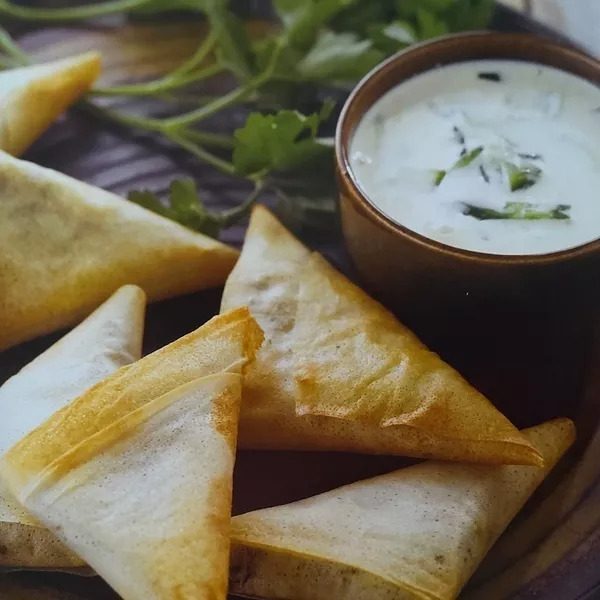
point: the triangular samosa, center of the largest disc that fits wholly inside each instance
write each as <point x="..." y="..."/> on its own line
<point x="225" y="344"/>
<point x="414" y="534"/>
<point x="108" y="339"/>
<point x="32" y="98"/>
<point x="339" y="372"/>
<point x="66" y="246"/>
<point x="146" y="501"/>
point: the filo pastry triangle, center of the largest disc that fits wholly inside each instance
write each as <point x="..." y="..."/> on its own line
<point x="414" y="534"/>
<point x="135" y="476"/>
<point x="108" y="339"/>
<point x="32" y="98"/>
<point x="338" y="371"/>
<point x="66" y="246"/>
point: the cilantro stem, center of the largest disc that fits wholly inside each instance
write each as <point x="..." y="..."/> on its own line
<point x="183" y="75"/>
<point x="199" y="152"/>
<point x="114" y="116"/>
<point x="165" y="84"/>
<point x="156" y="125"/>
<point x="211" y="139"/>
<point x="231" y="216"/>
<point x="199" y="56"/>
<point x="12" y="50"/>
<point x="236" y="96"/>
<point x="75" y="13"/>
<point x="231" y="99"/>
<point x="186" y="97"/>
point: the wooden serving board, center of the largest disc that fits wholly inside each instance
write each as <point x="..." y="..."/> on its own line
<point x="556" y="557"/>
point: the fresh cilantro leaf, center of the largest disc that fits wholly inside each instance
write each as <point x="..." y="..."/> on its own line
<point x="182" y="205"/>
<point x="469" y="14"/>
<point x="339" y="57"/>
<point x="411" y="8"/>
<point x="438" y="17"/>
<point x="185" y="202"/>
<point x="280" y="141"/>
<point x="233" y="46"/>
<point x="303" y="19"/>
<point x="391" y="37"/>
<point x="149" y="200"/>
<point x="429" y="25"/>
<point x="286" y="61"/>
<point x="360" y="17"/>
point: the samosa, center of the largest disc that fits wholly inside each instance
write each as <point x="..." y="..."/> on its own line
<point x="108" y="339"/>
<point x="66" y="246"/>
<point x="225" y="344"/>
<point x="32" y="98"/>
<point x="338" y="371"/>
<point x="414" y="534"/>
<point x="135" y="476"/>
<point x="146" y="501"/>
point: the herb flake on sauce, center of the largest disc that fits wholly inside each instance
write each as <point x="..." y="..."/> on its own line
<point x="518" y="210"/>
<point x="484" y="174"/>
<point x="464" y="161"/>
<point x="493" y="76"/>
<point x="522" y="178"/>
<point x="459" y="136"/>
<point x="527" y="156"/>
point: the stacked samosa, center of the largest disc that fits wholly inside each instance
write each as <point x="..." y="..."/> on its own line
<point x="337" y="371"/>
<point x="110" y="338"/>
<point x="32" y="98"/>
<point x="66" y="246"/>
<point x="135" y="475"/>
<point x="415" y="534"/>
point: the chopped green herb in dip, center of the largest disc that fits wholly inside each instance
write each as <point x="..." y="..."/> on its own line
<point x="509" y="168"/>
<point x="490" y="76"/>
<point x="517" y="210"/>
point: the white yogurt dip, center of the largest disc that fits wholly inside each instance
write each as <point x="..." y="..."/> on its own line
<point x="494" y="156"/>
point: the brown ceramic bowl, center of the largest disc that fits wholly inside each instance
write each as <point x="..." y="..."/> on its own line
<point x="496" y="304"/>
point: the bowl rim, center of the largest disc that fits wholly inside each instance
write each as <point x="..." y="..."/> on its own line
<point x="375" y="214"/>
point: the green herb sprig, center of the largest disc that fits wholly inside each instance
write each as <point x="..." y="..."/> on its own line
<point x="327" y="44"/>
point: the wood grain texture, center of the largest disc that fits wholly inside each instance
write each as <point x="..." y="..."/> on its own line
<point x="119" y="160"/>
